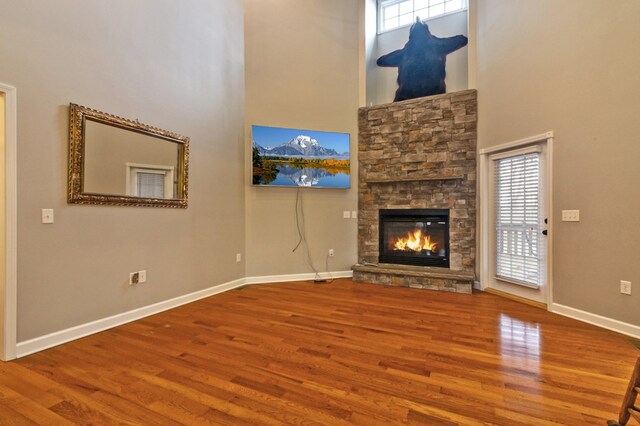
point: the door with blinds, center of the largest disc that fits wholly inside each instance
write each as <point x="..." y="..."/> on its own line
<point x="518" y="259"/>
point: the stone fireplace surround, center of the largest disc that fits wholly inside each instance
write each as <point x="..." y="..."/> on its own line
<point x="419" y="154"/>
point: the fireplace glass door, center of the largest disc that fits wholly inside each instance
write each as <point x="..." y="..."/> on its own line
<point x="414" y="237"/>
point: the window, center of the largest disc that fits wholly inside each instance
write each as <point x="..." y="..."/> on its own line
<point x="518" y="235"/>
<point x="399" y="13"/>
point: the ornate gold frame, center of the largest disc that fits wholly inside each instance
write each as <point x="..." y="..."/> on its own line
<point x="76" y="195"/>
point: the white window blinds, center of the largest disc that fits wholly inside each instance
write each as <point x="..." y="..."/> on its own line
<point x="150" y="185"/>
<point x="519" y="256"/>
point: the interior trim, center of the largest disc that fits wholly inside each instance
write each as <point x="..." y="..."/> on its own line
<point x="595" y="319"/>
<point x="63" y="336"/>
<point x="484" y="185"/>
<point x="517" y="144"/>
<point x="9" y="333"/>
<point x="57" y="338"/>
<point x="297" y="277"/>
<point x="519" y="299"/>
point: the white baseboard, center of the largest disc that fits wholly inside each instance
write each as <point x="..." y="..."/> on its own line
<point x="297" y="277"/>
<point x="594" y="319"/>
<point x="63" y="336"/>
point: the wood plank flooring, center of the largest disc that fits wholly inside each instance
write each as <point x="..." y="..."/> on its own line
<point x="332" y="354"/>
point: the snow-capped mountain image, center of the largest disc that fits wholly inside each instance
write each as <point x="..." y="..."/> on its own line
<point x="301" y="145"/>
<point x="300" y="158"/>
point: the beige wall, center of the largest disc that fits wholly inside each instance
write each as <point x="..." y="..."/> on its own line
<point x="301" y="72"/>
<point x="384" y="79"/>
<point x="572" y="67"/>
<point x="176" y="65"/>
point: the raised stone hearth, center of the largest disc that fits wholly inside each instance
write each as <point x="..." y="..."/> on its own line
<point x="419" y="154"/>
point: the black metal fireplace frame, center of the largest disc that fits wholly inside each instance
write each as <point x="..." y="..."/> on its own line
<point x="413" y="215"/>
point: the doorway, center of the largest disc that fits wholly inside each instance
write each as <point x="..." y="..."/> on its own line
<point x="515" y="224"/>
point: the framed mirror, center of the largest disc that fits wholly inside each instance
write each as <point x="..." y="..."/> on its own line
<point x="121" y="162"/>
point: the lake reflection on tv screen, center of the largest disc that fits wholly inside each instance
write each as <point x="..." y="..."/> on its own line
<point x="291" y="176"/>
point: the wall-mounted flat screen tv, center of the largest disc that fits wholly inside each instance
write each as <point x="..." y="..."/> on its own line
<point x="300" y="158"/>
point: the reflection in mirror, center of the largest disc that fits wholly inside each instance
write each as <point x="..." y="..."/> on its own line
<point x="123" y="162"/>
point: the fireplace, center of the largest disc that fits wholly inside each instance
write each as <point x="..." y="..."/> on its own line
<point x="418" y="154"/>
<point x="414" y="237"/>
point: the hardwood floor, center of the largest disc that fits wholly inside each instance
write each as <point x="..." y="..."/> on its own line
<point x="333" y="354"/>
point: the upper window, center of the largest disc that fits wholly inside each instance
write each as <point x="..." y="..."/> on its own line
<point x="399" y="13"/>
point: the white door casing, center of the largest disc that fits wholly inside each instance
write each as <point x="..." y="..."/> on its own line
<point x="487" y="240"/>
<point x="8" y="286"/>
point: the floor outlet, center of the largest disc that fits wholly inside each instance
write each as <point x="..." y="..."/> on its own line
<point x="625" y="287"/>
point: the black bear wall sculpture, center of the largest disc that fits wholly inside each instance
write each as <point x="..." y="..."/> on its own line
<point x="421" y="62"/>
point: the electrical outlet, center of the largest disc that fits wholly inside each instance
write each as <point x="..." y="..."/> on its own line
<point x="142" y="276"/>
<point x="238" y="257"/>
<point x="571" y="215"/>
<point x="134" y="278"/>
<point x="625" y="287"/>
<point x="331" y="253"/>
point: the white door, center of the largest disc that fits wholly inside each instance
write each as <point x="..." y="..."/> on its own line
<point x="515" y="215"/>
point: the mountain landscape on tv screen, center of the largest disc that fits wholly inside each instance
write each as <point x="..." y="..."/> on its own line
<point x="301" y="161"/>
<point x="301" y="146"/>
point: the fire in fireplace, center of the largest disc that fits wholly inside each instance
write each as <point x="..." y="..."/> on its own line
<point x="414" y="237"/>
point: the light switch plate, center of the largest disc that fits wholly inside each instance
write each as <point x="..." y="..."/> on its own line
<point x="346" y="214"/>
<point x="571" y="215"/>
<point x="47" y="215"/>
<point x="625" y="287"/>
<point x="354" y="214"/>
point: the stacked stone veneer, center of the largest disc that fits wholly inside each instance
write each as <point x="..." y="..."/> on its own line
<point x="419" y="153"/>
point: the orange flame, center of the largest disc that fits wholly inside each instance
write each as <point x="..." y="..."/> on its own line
<point x="415" y="241"/>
